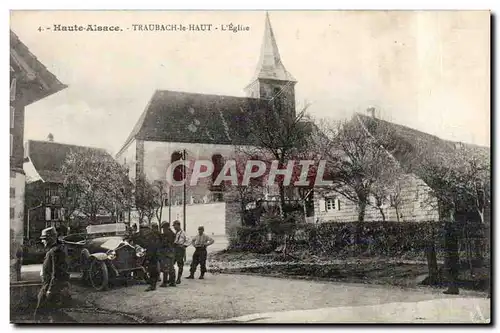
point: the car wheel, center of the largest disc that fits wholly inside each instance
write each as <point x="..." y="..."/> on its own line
<point x="98" y="275"/>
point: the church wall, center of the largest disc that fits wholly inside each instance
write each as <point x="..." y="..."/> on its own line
<point x="128" y="159"/>
<point x="157" y="155"/>
<point x="202" y="208"/>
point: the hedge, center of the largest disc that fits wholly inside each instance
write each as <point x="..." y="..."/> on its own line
<point x="388" y="239"/>
<point x="33" y="254"/>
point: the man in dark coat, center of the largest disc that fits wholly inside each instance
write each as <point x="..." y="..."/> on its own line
<point x="149" y="238"/>
<point x="167" y="255"/>
<point x="55" y="277"/>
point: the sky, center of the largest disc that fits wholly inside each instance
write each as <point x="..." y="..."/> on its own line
<point x="426" y="70"/>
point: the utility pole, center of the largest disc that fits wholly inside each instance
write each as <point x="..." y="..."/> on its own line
<point x="184" y="195"/>
<point x="169" y="204"/>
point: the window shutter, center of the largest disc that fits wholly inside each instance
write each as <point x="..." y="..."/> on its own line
<point x="13" y="86"/>
<point x="337" y="204"/>
<point x="12" y="115"/>
<point x="47" y="214"/>
<point x="322" y="205"/>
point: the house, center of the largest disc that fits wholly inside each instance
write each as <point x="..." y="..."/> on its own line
<point x="43" y="164"/>
<point x="198" y="126"/>
<point x="30" y="81"/>
<point x="404" y="145"/>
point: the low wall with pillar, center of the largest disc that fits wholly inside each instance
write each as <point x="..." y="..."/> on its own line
<point x="211" y="216"/>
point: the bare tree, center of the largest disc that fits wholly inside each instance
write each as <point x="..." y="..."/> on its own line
<point x="355" y="160"/>
<point x="386" y="190"/>
<point x="459" y="180"/>
<point x="246" y="193"/>
<point x="396" y="198"/>
<point x="160" y="194"/>
<point x="277" y="136"/>
<point x="94" y="184"/>
<point x="145" y="196"/>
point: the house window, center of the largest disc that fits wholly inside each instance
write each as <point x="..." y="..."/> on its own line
<point x="52" y="196"/>
<point x="12" y="212"/>
<point x="12" y="192"/>
<point x="54" y="214"/>
<point x="332" y="204"/>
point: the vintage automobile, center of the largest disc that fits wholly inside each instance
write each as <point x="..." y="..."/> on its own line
<point x="102" y="259"/>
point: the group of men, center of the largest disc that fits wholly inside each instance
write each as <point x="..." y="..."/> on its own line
<point x="166" y="248"/>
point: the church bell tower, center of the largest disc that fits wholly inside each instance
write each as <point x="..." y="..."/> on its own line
<point x="271" y="80"/>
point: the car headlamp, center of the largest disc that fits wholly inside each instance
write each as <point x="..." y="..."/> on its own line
<point x="139" y="251"/>
<point x="111" y="254"/>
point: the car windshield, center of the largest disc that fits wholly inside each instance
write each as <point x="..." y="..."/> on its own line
<point x="109" y="243"/>
<point x="75" y="238"/>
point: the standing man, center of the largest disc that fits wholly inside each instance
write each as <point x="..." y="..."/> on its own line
<point x="200" y="242"/>
<point x="55" y="277"/>
<point x="167" y="255"/>
<point x="149" y="238"/>
<point x="180" y="244"/>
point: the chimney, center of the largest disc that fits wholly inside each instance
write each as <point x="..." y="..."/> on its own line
<point x="50" y="137"/>
<point x="371" y="111"/>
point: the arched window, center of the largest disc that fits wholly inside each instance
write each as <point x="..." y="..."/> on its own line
<point x="218" y="162"/>
<point x="179" y="171"/>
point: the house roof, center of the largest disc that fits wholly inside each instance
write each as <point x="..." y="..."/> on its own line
<point x="48" y="157"/>
<point x="173" y="116"/>
<point x="409" y="146"/>
<point x="33" y="78"/>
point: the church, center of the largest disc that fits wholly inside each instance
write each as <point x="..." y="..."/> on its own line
<point x="204" y="127"/>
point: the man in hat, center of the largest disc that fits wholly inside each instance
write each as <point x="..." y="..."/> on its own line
<point x="200" y="242"/>
<point x="180" y="244"/>
<point x="167" y="255"/>
<point x="55" y="277"/>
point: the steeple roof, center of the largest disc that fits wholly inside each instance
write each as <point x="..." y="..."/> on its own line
<point x="270" y="65"/>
